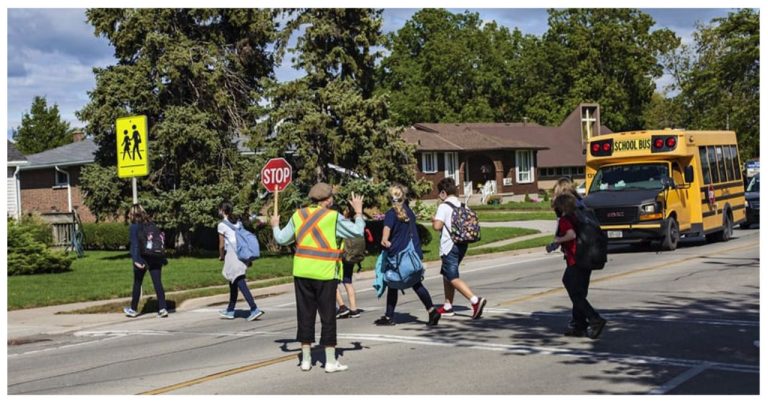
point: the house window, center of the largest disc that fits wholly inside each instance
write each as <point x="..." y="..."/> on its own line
<point x="62" y="179"/>
<point x="524" y="160"/>
<point x="429" y="162"/>
<point x="452" y="165"/>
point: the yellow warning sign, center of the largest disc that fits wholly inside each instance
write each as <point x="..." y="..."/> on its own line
<point x="132" y="150"/>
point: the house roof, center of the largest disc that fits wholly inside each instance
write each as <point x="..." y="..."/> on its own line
<point x="14" y="156"/>
<point x="76" y="153"/>
<point x="558" y="146"/>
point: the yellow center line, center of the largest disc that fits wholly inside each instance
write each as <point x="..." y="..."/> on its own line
<point x="559" y="290"/>
<point x="219" y="375"/>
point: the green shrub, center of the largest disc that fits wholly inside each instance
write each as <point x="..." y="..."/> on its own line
<point x="106" y="236"/>
<point x="424" y="212"/>
<point x="29" y="256"/>
<point x="40" y="230"/>
<point x="528" y="198"/>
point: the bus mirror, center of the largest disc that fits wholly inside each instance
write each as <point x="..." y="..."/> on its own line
<point x="689" y="174"/>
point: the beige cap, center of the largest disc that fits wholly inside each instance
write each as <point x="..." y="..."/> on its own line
<point x="320" y="191"/>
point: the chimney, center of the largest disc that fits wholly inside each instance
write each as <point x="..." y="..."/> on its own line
<point x="78" y="135"/>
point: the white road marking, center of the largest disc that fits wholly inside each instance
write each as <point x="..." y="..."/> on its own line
<point x="533" y="350"/>
<point x="680" y="379"/>
<point x="64" y="346"/>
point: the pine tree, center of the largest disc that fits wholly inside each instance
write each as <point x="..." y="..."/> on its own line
<point x="41" y="129"/>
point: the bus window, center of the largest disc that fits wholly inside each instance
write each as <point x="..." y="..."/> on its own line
<point x="721" y="164"/>
<point x="706" y="178"/>
<point x="712" y="163"/>
<point x="629" y="177"/>
<point x="728" y="163"/>
<point x="735" y="162"/>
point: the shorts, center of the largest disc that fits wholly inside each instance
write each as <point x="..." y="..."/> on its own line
<point x="451" y="261"/>
<point x="348" y="270"/>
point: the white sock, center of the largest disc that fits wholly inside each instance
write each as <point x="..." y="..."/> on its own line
<point x="305" y="355"/>
<point x="447" y="306"/>
<point x="474" y="299"/>
<point x="330" y="355"/>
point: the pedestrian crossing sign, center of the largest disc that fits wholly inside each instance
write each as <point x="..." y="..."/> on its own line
<point x="132" y="150"/>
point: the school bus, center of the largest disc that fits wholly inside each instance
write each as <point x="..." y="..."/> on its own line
<point x="663" y="185"/>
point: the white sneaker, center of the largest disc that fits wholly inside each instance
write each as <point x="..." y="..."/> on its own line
<point x="334" y="367"/>
<point x="306" y="365"/>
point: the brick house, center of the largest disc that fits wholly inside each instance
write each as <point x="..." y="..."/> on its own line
<point x="50" y="183"/>
<point x="512" y="159"/>
<point x="16" y="160"/>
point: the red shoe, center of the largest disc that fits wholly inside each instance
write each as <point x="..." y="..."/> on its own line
<point x="477" y="309"/>
<point x="445" y="312"/>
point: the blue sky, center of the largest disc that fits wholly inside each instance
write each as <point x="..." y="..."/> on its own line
<point x="51" y="52"/>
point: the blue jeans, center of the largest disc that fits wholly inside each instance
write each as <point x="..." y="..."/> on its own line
<point x="240" y="283"/>
<point x="451" y="261"/>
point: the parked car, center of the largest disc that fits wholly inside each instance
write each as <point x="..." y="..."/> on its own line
<point x="752" y="197"/>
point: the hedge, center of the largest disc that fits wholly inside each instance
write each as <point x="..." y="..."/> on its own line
<point x="106" y="236"/>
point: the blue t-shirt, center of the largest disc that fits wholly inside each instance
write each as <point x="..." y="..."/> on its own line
<point x="402" y="232"/>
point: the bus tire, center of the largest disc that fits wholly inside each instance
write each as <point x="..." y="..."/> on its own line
<point x="671" y="234"/>
<point x="726" y="233"/>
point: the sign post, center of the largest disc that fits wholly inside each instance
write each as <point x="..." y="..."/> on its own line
<point x="132" y="149"/>
<point x="276" y="175"/>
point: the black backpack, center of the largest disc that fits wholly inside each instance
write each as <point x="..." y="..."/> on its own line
<point x="591" y="242"/>
<point x="151" y="241"/>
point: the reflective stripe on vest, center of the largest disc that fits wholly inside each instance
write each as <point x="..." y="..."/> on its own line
<point x="317" y="253"/>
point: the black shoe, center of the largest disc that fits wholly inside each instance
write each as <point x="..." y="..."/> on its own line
<point x="596" y="327"/>
<point x="575" y="332"/>
<point x="355" y="313"/>
<point x="342" y="312"/>
<point x="384" y="321"/>
<point x="434" y="317"/>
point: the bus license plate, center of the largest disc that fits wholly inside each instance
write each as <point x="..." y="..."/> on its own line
<point x="615" y="234"/>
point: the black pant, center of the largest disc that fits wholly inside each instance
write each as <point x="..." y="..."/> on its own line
<point x="138" y="279"/>
<point x="243" y="286"/>
<point x="313" y="296"/>
<point x="576" y="282"/>
<point x="420" y="290"/>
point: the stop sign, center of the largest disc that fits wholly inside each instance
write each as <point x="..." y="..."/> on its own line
<point x="276" y="174"/>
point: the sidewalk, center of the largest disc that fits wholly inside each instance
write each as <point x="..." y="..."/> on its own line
<point x="36" y="322"/>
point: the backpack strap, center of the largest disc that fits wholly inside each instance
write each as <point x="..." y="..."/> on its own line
<point x="451" y="204"/>
<point x="230" y="225"/>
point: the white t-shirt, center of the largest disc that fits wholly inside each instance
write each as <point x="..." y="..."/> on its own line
<point x="230" y="240"/>
<point x="445" y="214"/>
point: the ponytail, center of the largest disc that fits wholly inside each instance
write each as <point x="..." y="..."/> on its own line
<point x="397" y="195"/>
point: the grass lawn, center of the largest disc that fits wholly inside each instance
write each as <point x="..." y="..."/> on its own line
<point x="105" y="275"/>
<point x="526" y="244"/>
<point x="492" y="216"/>
<point x="515" y="206"/>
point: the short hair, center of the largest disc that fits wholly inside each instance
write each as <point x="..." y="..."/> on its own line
<point x="448" y="185"/>
<point x="565" y="203"/>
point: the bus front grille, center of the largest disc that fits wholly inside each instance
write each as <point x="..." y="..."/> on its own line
<point x="617" y="215"/>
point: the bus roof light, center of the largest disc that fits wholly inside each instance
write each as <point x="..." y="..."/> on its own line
<point x="606" y="147"/>
<point x="671" y="142"/>
<point x="659" y="143"/>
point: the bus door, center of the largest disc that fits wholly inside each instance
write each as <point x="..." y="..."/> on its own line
<point x="678" y="199"/>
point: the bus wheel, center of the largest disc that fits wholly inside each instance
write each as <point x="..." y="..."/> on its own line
<point x="726" y="233"/>
<point x="671" y="235"/>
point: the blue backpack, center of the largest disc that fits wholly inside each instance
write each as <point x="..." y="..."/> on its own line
<point x="404" y="269"/>
<point x="247" y="244"/>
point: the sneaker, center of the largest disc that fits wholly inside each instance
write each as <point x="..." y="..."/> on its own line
<point x="129" y="312"/>
<point x="306" y="365"/>
<point x="596" y="328"/>
<point x="342" y="312"/>
<point x="355" y="313"/>
<point x="445" y="312"/>
<point x="227" y="314"/>
<point x="575" y="332"/>
<point x="255" y="314"/>
<point x="384" y="321"/>
<point x="477" y="309"/>
<point x="163" y="313"/>
<point x="434" y="317"/>
<point x="334" y="367"/>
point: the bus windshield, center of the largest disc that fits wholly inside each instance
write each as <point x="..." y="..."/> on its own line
<point x="629" y="177"/>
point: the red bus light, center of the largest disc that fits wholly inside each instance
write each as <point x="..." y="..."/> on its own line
<point x="595" y="147"/>
<point x="671" y="142"/>
<point x="606" y="147"/>
<point x="658" y="143"/>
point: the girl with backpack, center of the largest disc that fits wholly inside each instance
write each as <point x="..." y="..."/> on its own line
<point x="399" y="232"/>
<point x="140" y="222"/>
<point x="575" y="278"/>
<point x="234" y="268"/>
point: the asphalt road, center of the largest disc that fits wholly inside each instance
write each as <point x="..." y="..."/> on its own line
<point x="682" y="322"/>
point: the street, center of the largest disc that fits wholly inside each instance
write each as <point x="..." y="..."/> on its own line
<point x="681" y="322"/>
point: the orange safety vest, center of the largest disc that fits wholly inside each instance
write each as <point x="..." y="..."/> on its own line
<point x="317" y="251"/>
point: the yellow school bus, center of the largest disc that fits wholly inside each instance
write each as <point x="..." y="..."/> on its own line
<point x="664" y="185"/>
